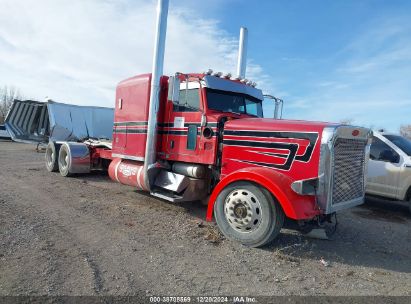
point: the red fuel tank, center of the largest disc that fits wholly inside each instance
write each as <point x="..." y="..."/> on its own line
<point x="127" y="172"/>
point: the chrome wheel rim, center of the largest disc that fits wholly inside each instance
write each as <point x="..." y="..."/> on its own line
<point x="63" y="159"/>
<point x="242" y="210"/>
<point x="49" y="157"/>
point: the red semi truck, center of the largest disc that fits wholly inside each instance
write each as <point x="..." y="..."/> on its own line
<point x="194" y="136"/>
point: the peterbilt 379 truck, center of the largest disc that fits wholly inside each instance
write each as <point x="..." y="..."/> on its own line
<point x="203" y="136"/>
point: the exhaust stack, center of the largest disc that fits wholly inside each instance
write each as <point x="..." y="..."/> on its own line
<point x="157" y="72"/>
<point x="242" y="53"/>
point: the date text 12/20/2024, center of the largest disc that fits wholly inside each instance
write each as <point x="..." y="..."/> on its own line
<point x="202" y="299"/>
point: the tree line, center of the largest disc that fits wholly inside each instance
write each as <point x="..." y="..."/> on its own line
<point x="7" y="95"/>
<point x="405" y="130"/>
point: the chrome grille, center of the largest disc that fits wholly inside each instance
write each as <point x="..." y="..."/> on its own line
<point x="348" y="170"/>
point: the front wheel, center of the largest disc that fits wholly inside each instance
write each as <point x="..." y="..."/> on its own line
<point x="248" y="214"/>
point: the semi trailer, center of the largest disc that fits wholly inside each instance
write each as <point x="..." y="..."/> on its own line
<point x="35" y="122"/>
<point x="203" y="136"/>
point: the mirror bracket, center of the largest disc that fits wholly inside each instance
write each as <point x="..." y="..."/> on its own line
<point x="278" y="102"/>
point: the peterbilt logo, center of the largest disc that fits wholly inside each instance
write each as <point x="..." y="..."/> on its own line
<point x="127" y="170"/>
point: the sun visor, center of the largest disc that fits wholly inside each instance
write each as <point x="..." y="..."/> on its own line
<point x="217" y="83"/>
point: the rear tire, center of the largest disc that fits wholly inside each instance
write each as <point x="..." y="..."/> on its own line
<point x="51" y="157"/>
<point x="64" y="160"/>
<point x="248" y="214"/>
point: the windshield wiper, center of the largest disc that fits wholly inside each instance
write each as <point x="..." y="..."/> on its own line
<point x="252" y="115"/>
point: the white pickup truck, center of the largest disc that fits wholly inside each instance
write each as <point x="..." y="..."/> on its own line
<point x="389" y="167"/>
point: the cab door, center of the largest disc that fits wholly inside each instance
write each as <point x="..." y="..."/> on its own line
<point x="183" y="127"/>
<point x="384" y="169"/>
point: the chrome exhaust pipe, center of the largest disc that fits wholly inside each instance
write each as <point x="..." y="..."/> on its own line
<point x="157" y="72"/>
<point x="242" y="53"/>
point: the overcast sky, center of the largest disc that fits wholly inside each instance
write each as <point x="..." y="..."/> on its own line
<point x="329" y="60"/>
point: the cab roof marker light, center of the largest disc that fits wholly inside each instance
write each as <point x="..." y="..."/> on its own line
<point x="228" y="75"/>
<point x="218" y="74"/>
<point x="254" y="84"/>
<point x="244" y="80"/>
<point x="209" y="72"/>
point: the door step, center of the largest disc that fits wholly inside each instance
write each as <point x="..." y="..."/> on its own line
<point x="166" y="195"/>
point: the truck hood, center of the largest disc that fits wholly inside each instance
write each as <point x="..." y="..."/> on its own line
<point x="269" y="124"/>
<point x="285" y="145"/>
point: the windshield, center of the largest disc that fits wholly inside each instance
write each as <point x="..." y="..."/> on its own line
<point x="401" y="142"/>
<point x="234" y="102"/>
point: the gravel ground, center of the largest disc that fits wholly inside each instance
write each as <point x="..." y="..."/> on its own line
<point x="90" y="236"/>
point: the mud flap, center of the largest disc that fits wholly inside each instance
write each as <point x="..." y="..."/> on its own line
<point x="322" y="228"/>
<point x="318" y="233"/>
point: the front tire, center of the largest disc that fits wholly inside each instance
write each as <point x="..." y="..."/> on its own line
<point x="248" y="214"/>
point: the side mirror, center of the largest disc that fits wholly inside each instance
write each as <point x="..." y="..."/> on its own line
<point x="278" y="106"/>
<point x="174" y="89"/>
<point x="278" y="110"/>
<point x="389" y="156"/>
